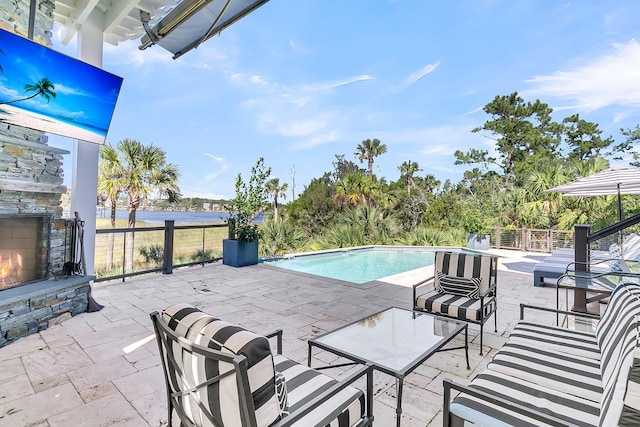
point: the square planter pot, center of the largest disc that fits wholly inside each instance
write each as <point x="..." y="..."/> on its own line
<point x="238" y="253"/>
<point x="478" y="241"/>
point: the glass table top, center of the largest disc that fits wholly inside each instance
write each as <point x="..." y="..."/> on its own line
<point x="395" y="338"/>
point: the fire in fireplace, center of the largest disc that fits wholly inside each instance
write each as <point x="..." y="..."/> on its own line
<point x="24" y="247"/>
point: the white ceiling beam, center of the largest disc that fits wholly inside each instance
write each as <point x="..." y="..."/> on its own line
<point x="119" y="10"/>
<point x="82" y="11"/>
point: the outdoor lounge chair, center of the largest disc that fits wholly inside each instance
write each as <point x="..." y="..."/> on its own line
<point x="464" y="288"/>
<point x="220" y="374"/>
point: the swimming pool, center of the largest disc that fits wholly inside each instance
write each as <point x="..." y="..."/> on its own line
<point x="359" y="265"/>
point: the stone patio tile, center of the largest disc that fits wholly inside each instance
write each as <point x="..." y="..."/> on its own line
<point x="15" y="388"/>
<point x="54" y="362"/>
<point x="49" y="382"/>
<point x="98" y="392"/>
<point x="28" y="345"/>
<point x="98" y="373"/>
<point x="115" y="348"/>
<point x="111" y="410"/>
<point x="10" y="368"/>
<point x="142" y="383"/>
<point x="153" y="407"/>
<point x="36" y="408"/>
<point x="110" y="332"/>
<point x="70" y="328"/>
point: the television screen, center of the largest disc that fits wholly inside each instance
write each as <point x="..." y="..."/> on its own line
<point x="46" y="90"/>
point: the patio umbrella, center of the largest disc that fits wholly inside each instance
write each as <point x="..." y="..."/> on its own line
<point x="614" y="181"/>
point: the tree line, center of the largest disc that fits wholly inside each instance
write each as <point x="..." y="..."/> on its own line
<point x="350" y="205"/>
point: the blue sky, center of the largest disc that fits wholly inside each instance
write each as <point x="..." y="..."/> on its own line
<point x="297" y="82"/>
<point x="88" y="100"/>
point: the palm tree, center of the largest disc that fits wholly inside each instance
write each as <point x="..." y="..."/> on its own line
<point x="368" y="150"/>
<point x="407" y="169"/>
<point x="143" y="170"/>
<point x="110" y="173"/>
<point x="276" y="190"/>
<point x="44" y="87"/>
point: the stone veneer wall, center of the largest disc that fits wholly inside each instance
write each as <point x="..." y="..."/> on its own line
<point x="31" y="179"/>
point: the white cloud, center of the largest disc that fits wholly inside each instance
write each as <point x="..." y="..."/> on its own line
<point x="414" y="77"/>
<point x="216" y="158"/>
<point x="213" y="175"/>
<point x="601" y="82"/>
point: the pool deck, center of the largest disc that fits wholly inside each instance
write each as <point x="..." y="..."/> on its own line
<point x="103" y="368"/>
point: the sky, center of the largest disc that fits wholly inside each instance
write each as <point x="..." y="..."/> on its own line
<point x="88" y="100"/>
<point x="298" y="82"/>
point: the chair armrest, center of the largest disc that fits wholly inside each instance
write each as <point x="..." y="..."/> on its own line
<point x="489" y="398"/>
<point x="277" y="333"/>
<point x="417" y="285"/>
<point x="556" y="311"/>
<point x="367" y="370"/>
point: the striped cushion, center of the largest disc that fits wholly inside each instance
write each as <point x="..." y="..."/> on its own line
<point x="561" y="340"/>
<point x="455" y="306"/>
<point x="221" y="397"/>
<point x="572" y="409"/>
<point x="574" y="375"/>
<point x="631" y="409"/>
<point x="617" y="335"/>
<point x="463" y="286"/>
<point x="466" y="265"/>
<point x="345" y="408"/>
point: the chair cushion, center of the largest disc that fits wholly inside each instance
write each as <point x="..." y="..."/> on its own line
<point x="553" y="368"/>
<point x="464" y="286"/>
<point x="345" y="408"/>
<point x="631" y="410"/>
<point x="221" y="398"/>
<point x="571" y="409"/>
<point x="569" y="341"/>
<point x="456" y="306"/>
<point x="461" y="264"/>
<point x="617" y="335"/>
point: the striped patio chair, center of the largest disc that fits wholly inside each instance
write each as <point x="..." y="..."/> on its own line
<point x="463" y="288"/>
<point x="219" y="374"/>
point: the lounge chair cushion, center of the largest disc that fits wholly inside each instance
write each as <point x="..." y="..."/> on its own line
<point x="569" y="341"/>
<point x="553" y="368"/>
<point x="304" y="384"/>
<point x="463" y="286"/>
<point x="457" y="306"/>
<point x="222" y="397"/>
<point x="617" y="335"/>
<point x="572" y="409"/>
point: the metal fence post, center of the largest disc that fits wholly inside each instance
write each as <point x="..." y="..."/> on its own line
<point x="167" y="266"/>
<point x="581" y="248"/>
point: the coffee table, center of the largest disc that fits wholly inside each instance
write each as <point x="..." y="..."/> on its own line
<point x="394" y="341"/>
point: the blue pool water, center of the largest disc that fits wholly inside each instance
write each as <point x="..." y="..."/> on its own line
<point x="359" y="265"/>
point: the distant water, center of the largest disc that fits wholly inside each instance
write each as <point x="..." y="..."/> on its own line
<point x="158" y="217"/>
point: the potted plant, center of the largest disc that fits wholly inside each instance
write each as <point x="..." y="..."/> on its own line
<point x="477" y="231"/>
<point x="241" y="248"/>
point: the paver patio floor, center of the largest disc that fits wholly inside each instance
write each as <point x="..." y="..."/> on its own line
<point x="103" y="368"/>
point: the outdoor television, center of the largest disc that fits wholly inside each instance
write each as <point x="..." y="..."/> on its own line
<point x="46" y="90"/>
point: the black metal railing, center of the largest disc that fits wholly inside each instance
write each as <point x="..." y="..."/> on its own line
<point x="126" y="252"/>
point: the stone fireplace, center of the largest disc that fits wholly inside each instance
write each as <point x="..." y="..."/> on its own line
<point x="38" y="247"/>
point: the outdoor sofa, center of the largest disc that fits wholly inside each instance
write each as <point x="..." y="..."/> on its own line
<point x="220" y="374"/>
<point x="548" y="375"/>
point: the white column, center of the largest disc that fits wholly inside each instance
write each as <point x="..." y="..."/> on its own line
<point x="84" y="181"/>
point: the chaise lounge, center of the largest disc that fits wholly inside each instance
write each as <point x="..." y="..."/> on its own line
<point x="552" y="376"/>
